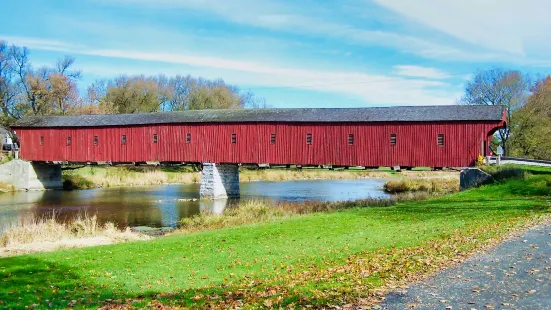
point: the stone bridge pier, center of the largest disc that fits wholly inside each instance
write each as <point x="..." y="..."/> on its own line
<point x="24" y="175"/>
<point x="219" y="181"/>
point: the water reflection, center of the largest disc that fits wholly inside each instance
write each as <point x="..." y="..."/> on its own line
<point x="215" y="206"/>
<point x="163" y="206"/>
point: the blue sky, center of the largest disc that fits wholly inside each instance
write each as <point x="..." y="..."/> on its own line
<point x="303" y="53"/>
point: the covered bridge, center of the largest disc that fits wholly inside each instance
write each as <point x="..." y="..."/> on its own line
<point x="427" y="136"/>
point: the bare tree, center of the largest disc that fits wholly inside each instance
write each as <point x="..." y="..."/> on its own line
<point x="252" y="101"/>
<point x="8" y="91"/>
<point x="25" y="90"/>
<point x="498" y="87"/>
<point x="96" y="92"/>
<point x="181" y="88"/>
<point x="33" y="91"/>
<point x="62" y="85"/>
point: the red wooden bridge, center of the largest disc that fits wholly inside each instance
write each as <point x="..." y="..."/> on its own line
<point x="427" y="136"/>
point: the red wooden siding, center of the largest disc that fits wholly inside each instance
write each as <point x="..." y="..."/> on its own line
<point x="417" y="143"/>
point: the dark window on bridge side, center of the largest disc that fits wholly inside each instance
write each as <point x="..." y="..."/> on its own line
<point x="123" y="139"/>
<point x="350" y="139"/>
<point x="68" y="140"/>
<point x="96" y="140"/>
<point x="188" y="137"/>
<point x="308" y="138"/>
<point x="155" y="138"/>
<point x="233" y="138"/>
<point x="393" y="139"/>
<point x="41" y="140"/>
<point x="273" y="139"/>
<point x="440" y="140"/>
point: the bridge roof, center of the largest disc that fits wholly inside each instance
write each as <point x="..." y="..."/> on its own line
<point x="310" y="115"/>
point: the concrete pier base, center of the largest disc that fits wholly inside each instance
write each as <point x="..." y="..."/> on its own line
<point x="219" y="181"/>
<point x="24" y="175"/>
<point x="473" y="177"/>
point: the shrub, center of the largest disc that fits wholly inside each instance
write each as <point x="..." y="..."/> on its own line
<point x="500" y="173"/>
<point x="397" y="186"/>
<point x="71" y="182"/>
<point x="250" y="211"/>
<point x="5" y="158"/>
<point x="440" y="185"/>
<point x="480" y="161"/>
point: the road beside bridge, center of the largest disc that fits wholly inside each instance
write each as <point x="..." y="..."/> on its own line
<point x="515" y="275"/>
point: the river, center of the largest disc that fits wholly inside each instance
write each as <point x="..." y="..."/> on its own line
<point x="163" y="206"/>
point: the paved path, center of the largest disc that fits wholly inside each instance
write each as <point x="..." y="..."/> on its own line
<point x="520" y="161"/>
<point x="515" y="275"/>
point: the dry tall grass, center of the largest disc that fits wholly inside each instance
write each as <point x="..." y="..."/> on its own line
<point x="48" y="234"/>
<point x="91" y="177"/>
<point x="5" y="188"/>
<point x="305" y="174"/>
<point x="256" y="211"/>
<point x="430" y="185"/>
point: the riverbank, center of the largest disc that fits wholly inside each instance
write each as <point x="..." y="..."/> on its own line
<point x="48" y="234"/>
<point x="318" y="260"/>
<point x="259" y="211"/>
<point x="105" y="176"/>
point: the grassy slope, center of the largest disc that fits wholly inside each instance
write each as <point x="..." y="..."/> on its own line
<point x="327" y="257"/>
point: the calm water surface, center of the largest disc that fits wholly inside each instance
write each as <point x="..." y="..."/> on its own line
<point x="163" y="206"/>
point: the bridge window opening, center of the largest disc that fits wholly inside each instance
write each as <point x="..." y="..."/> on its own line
<point x="233" y="138"/>
<point x="41" y="140"/>
<point x="68" y="140"/>
<point x="96" y="140"/>
<point x="123" y="139"/>
<point x="350" y="139"/>
<point x="155" y="138"/>
<point x="440" y="140"/>
<point x="188" y="137"/>
<point x="308" y="138"/>
<point x="273" y="138"/>
<point x="393" y="139"/>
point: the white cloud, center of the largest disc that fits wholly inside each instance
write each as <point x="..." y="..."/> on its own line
<point x="419" y="71"/>
<point x="507" y="31"/>
<point x="372" y="88"/>
<point x="510" y="26"/>
<point x="44" y="44"/>
<point x="284" y="17"/>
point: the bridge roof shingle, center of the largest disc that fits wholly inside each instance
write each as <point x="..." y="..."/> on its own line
<point x="310" y="115"/>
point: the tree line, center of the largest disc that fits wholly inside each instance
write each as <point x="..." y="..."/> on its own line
<point x="52" y="90"/>
<point x="528" y="110"/>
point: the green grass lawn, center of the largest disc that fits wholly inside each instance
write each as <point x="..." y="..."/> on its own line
<point x="316" y="259"/>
